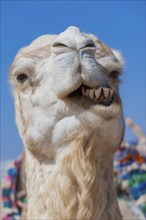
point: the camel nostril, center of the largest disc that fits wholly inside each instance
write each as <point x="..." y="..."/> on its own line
<point x="59" y="47"/>
<point x="90" y="45"/>
<point x="57" y="44"/>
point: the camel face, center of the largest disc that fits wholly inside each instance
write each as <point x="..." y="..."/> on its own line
<point x="63" y="83"/>
<point x="80" y="79"/>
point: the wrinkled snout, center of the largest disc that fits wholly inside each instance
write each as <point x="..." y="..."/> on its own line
<point x="74" y="63"/>
<point x="73" y="39"/>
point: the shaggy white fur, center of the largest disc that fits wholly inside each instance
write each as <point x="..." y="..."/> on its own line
<point x="69" y="115"/>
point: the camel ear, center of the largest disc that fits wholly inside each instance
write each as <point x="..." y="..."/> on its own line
<point x="119" y="57"/>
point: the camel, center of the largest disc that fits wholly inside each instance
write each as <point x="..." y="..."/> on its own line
<point x="70" y="118"/>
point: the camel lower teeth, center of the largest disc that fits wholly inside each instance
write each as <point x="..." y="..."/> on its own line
<point x="102" y="94"/>
<point x="91" y="93"/>
<point x="83" y="91"/>
<point x="106" y="92"/>
<point x="98" y="93"/>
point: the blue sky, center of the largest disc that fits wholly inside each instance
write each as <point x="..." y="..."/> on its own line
<point x="119" y="24"/>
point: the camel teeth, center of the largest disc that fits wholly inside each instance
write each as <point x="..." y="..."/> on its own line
<point x="98" y="93"/>
<point x="83" y="91"/>
<point x="87" y="92"/>
<point x="111" y="93"/>
<point x="106" y="92"/>
<point x="91" y="93"/>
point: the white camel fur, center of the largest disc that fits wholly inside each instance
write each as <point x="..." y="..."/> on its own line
<point x="69" y="115"/>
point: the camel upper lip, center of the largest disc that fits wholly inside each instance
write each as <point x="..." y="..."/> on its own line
<point x="100" y="95"/>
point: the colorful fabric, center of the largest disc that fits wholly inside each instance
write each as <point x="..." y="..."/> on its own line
<point x="11" y="210"/>
<point x="130" y="175"/>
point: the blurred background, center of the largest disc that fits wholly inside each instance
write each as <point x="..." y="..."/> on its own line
<point x="119" y="24"/>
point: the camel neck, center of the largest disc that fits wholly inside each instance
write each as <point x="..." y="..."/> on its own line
<point x="79" y="185"/>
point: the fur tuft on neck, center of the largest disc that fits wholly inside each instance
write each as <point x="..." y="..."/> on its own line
<point x="78" y="186"/>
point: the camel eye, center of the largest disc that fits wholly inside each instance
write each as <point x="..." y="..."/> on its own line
<point x="114" y="74"/>
<point x="22" y="77"/>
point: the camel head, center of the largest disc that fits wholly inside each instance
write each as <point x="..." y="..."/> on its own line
<point x="64" y="84"/>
